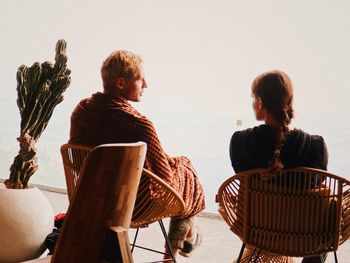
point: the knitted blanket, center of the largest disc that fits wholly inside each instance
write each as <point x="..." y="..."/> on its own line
<point x="107" y="119"/>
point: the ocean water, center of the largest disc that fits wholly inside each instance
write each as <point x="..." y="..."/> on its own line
<point x="202" y="138"/>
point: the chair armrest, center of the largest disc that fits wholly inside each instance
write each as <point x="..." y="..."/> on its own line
<point x="345" y="223"/>
<point x="230" y="198"/>
<point x="156" y="200"/>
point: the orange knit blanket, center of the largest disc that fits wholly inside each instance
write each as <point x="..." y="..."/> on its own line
<point x="106" y="119"/>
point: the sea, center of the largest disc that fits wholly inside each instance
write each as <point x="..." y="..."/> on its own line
<point x="204" y="138"/>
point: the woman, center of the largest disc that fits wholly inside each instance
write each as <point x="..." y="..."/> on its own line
<point x="275" y="145"/>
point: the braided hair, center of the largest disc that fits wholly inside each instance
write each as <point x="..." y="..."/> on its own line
<point x="275" y="89"/>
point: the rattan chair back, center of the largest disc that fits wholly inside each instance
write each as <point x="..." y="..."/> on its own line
<point x="297" y="212"/>
<point x="73" y="157"/>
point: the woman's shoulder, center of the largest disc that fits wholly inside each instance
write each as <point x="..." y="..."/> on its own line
<point x="258" y="136"/>
<point x="256" y="131"/>
<point x="314" y="142"/>
<point x="314" y="138"/>
<point x="315" y="148"/>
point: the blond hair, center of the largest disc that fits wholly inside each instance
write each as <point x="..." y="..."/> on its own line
<point x="119" y="63"/>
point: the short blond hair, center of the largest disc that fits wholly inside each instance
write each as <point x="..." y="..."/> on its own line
<point x="119" y="63"/>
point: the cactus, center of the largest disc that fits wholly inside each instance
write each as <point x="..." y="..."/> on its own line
<point x="39" y="88"/>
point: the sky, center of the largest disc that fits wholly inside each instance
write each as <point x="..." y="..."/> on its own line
<point x="200" y="56"/>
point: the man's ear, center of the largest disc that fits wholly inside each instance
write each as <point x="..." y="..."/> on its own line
<point x="120" y="83"/>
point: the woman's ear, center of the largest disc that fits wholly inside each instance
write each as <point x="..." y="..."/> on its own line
<point x="260" y="104"/>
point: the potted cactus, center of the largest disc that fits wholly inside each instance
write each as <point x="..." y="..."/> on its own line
<point x="26" y="215"/>
<point x="39" y="90"/>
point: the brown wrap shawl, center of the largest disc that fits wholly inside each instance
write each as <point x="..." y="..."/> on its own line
<point x="107" y="119"/>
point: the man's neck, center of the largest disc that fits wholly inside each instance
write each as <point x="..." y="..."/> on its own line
<point x="114" y="94"/>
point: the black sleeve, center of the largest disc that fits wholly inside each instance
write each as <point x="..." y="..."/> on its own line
<point x="319" y="153"/>
<point x="231" y="149"/>
<point x="236" y="157"/>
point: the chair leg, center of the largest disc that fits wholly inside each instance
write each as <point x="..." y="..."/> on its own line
<point x="134" y="241"/>
<point x="117" y="246"/>
<point x="166" y="240"/>
<point x="240" y="253"/>
<point x="335" y="257"/>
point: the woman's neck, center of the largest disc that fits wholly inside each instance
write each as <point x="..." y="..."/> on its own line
<point x="271" y="122"/>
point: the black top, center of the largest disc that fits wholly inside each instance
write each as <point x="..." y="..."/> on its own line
<point x="254" y="147"/>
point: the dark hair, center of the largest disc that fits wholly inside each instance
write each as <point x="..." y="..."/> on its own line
<point x="275" y="89"/>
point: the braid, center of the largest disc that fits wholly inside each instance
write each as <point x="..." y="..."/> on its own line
<point x="275" y="164"/>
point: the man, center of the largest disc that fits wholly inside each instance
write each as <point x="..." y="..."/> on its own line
<point x="108" y="117"/>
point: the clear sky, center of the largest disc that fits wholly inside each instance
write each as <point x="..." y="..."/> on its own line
<point x="200" y="56"/>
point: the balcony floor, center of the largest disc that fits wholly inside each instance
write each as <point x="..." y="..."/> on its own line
<point x="219" y="243"/>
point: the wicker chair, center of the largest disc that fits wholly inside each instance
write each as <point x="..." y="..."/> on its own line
<point x="100" y="211"/>
<point x="155" y="200"/>
<point x="73" y="157"/>
<point x="296" y="213"/>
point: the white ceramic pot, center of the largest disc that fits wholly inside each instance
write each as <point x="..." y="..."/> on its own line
<point x="26" y="218"/>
